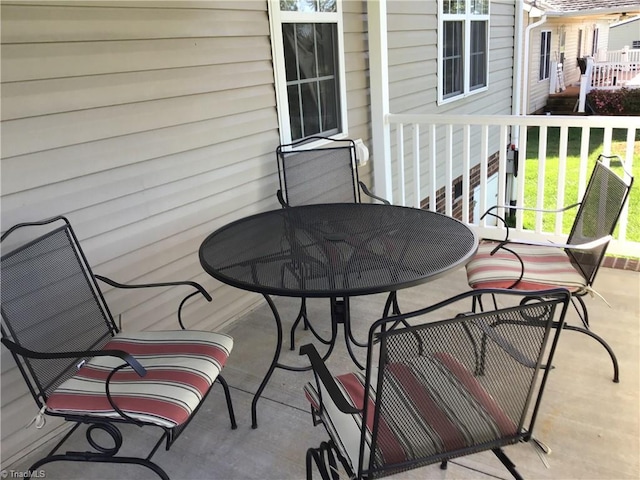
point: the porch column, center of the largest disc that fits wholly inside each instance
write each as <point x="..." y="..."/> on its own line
<point x="379" y="88"/>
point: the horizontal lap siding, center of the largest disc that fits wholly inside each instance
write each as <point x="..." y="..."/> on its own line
<point x="147" y="124"/>
<point x="413" y="72"/>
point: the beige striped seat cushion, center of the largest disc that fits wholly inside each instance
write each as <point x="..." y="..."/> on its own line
<point x="181" y="367"/>
<point x="438" y="406"/>
<point x="544" y="267"/>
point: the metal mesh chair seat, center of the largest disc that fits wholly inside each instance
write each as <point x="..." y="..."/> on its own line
<point x="435" y="389"/>
<point x="181" y="366"/>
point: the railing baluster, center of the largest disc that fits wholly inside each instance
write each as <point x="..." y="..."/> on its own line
<point x="400" y="163"/>
<point x="562" y="177"/>
<point x="542" y="160"/>
<point x="466" y="165"/>
<point x="432" y="168"/>
<point x="484" y="171"/>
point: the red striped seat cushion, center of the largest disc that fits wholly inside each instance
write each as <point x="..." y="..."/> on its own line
<point x="544" y="267"/>
<point x="435" y="405"/>
<point x="181" y="367"/>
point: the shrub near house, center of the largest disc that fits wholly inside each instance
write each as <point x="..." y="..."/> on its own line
<point x="615" y="102"/>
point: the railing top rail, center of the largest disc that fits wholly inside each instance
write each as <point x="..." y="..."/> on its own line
<point x="591" y="121"/>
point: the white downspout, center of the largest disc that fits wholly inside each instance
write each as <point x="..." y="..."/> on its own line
<point x="527" y="46"/>
<point x="517" y="53"/>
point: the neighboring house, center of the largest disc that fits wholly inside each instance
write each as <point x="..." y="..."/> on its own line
<point x="561" y="31"/>
<point x="150" y="124"/>
<point x="625" y="33"/>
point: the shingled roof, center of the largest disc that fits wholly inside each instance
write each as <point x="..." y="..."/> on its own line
<point x="585" y="6"/>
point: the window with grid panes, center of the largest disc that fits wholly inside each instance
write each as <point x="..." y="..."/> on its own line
<point x="308" y="58"/>
<point x="545" y="55"/>
<point x="463" y="48"/>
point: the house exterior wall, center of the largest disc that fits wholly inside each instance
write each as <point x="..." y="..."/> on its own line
<point x="538" y="90"/>
<point x="413" y="73"/>
<point x="624" y="34"/>
<point x="149" y="125"/>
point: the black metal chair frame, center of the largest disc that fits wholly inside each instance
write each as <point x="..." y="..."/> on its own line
<point x="41" y="385"/>
<point x="339" y="306"/>
<point x="587" y="257"/>
<point x="537" y="312"/>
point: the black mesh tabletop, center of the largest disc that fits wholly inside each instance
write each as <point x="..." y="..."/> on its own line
<point x="336" y="249"/>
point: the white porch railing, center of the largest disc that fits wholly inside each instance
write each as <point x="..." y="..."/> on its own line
<point x="431" y="151"/>
<point x="626" y="55"/>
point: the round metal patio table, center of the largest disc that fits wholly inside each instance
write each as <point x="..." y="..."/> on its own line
<point x="334" y="251"/>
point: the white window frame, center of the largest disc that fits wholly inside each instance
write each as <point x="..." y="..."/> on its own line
<point x="545" y="55"/>
<point x="276" y="19"/>
<point x="466" y="18"/>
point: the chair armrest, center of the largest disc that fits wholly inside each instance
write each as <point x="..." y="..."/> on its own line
<point x="515" y="207"/>
<point x="199" y="289"/>
<point x="25" y="352"/>
<point x="578" y="246"/>
<point x="323" y="376"/>
<point x="195" y="285"/>
<point x="281" y="199"/>
<point x="368" y="193"/>
<point x="505" y="345"/>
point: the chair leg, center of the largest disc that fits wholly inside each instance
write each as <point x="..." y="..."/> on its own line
<point x="583" y="314"/>
<point x="614" y="360"/>
<point x="325" y="461"/>
<point x="227" y="396"/>
<point x="103" y="454"/>
<point x="507" y="463"/>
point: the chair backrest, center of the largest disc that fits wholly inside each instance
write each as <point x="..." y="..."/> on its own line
<point x="48" y="290"/>
<point x="597" y="217"/>
<point x="319" y="175"/>
<point x="455" y="385"/>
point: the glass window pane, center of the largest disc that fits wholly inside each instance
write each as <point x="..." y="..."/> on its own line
<point x="325" y="35"/>
<point x="328" y="6"/>
<point x="290" y="61"/>
<point x="299" y="5"/>
<point x="329" y="105"/>
<point x="305" y="47"/>
<point x="310" y="108"/>
<point x="294" y="111"/>
<point x="478" y="54"/>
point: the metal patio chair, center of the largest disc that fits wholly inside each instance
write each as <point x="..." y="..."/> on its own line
<point x="534" y="266"/>
<point x="77" y="363"/>
<point x="327" y="174"/>
<point x="444" y="386"/>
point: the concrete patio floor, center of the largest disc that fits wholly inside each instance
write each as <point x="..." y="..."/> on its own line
<point x="591" y="424"/>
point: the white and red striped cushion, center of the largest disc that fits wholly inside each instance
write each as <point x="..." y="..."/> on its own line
<point x="181" y="367"/>
<point x="544" y="267"/>
<point x="439" y="407"/>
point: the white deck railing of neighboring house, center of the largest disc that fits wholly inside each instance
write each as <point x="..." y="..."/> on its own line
<point x="626" y="55"/>
<point x="620" y="68"/>
<point x="429" y="150"/>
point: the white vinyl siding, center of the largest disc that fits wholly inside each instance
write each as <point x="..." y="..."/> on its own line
<point x="413" y="73"/>
<point x="149" y="125"/>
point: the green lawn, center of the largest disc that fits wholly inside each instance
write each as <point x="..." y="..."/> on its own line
<point x="571" y="185"/>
